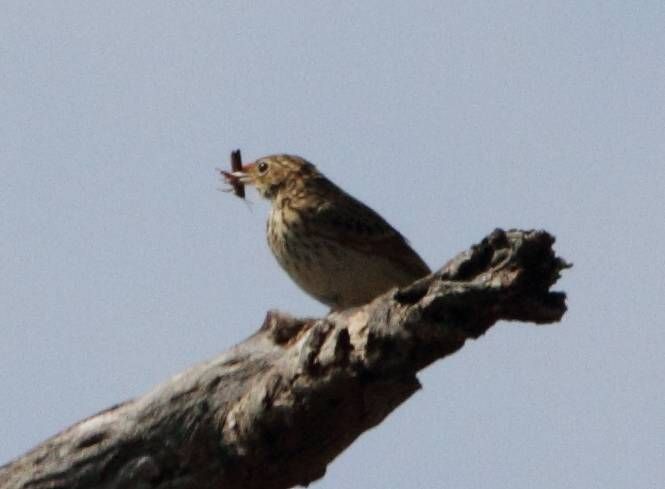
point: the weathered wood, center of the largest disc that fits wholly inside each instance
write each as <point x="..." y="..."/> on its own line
<point x="275" y="410"/>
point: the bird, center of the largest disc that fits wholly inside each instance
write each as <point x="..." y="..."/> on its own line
<point x="334" y="247"/>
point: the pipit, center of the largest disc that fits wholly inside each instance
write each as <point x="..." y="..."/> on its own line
<point x="333" y="246"/>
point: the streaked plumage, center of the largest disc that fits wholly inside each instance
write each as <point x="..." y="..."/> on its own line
<point x="333" y="246"/>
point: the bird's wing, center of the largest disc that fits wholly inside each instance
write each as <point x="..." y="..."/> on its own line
<point x="356" y="226"/>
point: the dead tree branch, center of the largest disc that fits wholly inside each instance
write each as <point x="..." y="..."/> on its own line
<point x="275" y="410"/>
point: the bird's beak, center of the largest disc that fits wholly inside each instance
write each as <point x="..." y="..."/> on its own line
<point x="242" y="176"/>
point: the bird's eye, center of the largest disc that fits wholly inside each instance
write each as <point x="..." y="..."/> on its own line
<point x="262" y="166"/>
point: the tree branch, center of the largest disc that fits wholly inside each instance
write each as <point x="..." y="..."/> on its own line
<point x="275" y="410"/>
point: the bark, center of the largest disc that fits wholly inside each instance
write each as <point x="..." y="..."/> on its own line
<point x="275" y="410"/>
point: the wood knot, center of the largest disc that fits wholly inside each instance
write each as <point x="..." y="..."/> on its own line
<point x="283" y="328"/>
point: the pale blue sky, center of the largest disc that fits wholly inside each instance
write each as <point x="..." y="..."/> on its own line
<point x="121" y="264"/>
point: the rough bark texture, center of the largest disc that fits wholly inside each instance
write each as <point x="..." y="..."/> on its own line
<point x="275" y="410"/>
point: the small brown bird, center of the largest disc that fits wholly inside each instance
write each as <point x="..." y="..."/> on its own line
<point x="333" y="246"/>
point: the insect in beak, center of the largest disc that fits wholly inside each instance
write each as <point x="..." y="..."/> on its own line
<point x="236" y="177"/>
<point x="236" y="180"/>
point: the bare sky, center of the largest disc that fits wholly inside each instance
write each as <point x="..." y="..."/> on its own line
<point x="121" y="264"/>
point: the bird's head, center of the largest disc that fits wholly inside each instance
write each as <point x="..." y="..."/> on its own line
<point x="274" y="174"/>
